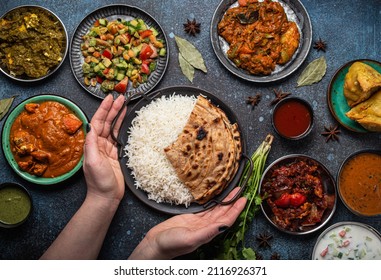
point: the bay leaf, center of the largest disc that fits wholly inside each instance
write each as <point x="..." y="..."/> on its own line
<point x="313" y="73"/>
<point x="186" y="68"/>
<point x="5" y="104"/>
<point x="190" y="54"/>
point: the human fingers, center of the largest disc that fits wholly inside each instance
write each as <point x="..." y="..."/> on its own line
<point x="101" y="113"/>
<point x="119" y="121"/>
<point x="220" y="210"/>
<point x="91" y="151"/>
<point x="113" y="112"/>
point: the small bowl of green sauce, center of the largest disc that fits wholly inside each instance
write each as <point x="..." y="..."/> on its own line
<point x="15" y="205"/>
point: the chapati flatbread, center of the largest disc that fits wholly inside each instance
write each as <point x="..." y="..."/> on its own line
<point x="206" y="154"/>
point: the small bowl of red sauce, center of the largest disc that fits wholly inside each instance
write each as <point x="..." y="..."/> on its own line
<point x="292" y="118"/>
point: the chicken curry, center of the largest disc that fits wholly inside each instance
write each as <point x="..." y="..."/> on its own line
<point x="47" y="139"/>
<point x="259" y="35"/>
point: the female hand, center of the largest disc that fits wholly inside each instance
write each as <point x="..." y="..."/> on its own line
<point x="83" y="236"/>
<point x="101" y="166"/>
<point x="183" y="234"/>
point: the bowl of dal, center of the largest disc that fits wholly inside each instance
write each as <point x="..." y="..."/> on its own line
<point x="34" y="43"/>
<point x="29" y="143"/>
<point x="15" y="205"/>
<point x="359" y="183"/>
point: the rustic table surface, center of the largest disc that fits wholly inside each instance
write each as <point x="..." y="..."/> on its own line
<point x="351" y="30"/>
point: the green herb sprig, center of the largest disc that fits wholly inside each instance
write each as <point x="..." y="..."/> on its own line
<point x="231" y="244"/>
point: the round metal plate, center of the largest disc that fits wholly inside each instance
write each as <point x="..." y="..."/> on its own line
<point x="295" y="12"/>
<point x="113" y="12"/>
<point x="123" y="138"/>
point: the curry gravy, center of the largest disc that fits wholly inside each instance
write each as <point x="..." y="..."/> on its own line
<point x="47" y="139"/>
<point x="360" y="183"/>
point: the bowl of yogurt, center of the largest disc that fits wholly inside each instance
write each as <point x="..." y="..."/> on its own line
<point x="348" y="241"/>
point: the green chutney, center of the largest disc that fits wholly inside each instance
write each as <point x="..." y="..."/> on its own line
<point x="15" y="205"/>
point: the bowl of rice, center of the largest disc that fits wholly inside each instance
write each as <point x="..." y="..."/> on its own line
<point x="152" y="125"/>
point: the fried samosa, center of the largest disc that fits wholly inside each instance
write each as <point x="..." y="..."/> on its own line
<point x="368" y="113"/>
<point x="360" y="83"/>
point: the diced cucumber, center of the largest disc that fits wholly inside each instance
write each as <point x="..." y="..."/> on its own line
<point x="106" y="62"/>
<point x="162" y="52"/>
<point x="122" y="65"/>
<point x="120" y="76"/>
<point x="137" y="50"/>
<point x="134" y="23"/>
<point x="142" y="24"/>
<point x="103" y="21"/>
<point x="154" y="31"/>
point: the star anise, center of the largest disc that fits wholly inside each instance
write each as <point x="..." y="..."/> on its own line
<point x="331" y="133"/>
<point x="320" y="45"/>
<point x="192" y="27"/>
<point x="275" y="256"/>
<point x="253" y="100"/>
<point x="264" y="239"/>
<point x="279" y="95"/>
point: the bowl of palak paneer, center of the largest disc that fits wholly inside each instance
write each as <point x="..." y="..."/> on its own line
<point x="33" y="43"/>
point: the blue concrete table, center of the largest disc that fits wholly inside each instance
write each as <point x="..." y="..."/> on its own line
<point x="352" y="30"/>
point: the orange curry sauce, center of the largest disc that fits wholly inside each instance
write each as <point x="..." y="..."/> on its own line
<point x="47" y="139"/>
<point x="360" y="183"/>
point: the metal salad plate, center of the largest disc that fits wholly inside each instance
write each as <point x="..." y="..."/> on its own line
<point x="122" y="140"/>
<point x="114" y="12"/>
<point x="295" y="12"/>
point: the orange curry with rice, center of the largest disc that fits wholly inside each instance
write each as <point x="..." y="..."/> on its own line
<point x="259" y="35"/>
<point x="47" y="139"/>
<point x="360" y="183"/>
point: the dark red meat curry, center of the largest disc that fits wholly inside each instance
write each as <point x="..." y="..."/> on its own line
<point x="295" y="194"/>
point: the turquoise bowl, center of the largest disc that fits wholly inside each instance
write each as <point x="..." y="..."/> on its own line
<point x="6" y="134"/>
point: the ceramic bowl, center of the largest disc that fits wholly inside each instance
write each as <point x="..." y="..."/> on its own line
<point x="6" y="135"/>
<point x="15" y="205"/>
<point x="289" y="203"/>
<point x="64" y="47"/>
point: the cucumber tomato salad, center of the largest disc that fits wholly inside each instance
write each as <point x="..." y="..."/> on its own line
<point x="116" y="52"/>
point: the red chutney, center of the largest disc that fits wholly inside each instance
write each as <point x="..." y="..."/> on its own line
<point x="292" y="118"/>
<point x="360" y="184"/>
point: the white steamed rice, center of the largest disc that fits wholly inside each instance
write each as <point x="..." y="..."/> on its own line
<point x="156" y="126"/>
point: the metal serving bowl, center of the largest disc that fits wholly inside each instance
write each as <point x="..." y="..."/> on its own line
<point x="24" y="77"/>
<point x="328" y="184"/>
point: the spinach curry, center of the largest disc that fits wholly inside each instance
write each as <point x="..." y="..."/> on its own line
<point x="32" y="42"/>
